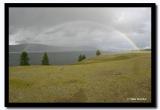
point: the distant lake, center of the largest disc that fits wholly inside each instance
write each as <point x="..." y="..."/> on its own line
<point x="55" y="58"/>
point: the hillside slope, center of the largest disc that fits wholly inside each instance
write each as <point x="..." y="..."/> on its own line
<point x="107" y="78"/>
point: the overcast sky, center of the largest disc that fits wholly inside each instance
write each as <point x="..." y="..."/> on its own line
<point x="103" y="28"/>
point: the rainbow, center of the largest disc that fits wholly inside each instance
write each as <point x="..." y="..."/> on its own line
<point x="129" y="40"/>
<point x="122" y="34"/>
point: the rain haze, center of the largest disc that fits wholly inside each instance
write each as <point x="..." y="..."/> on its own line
<point x="81" y="54"/>
<point x="100" y="28"/>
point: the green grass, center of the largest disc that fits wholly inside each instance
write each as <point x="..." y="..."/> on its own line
<point x="106" y="78"/>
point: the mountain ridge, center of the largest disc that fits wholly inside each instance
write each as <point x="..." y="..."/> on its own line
<point x="46" y="48"/>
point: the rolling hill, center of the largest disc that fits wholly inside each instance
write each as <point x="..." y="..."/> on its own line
<point x="107" y="78"/>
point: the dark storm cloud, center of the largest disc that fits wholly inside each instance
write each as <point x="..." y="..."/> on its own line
<point x="83" y="26"/>
<point x="28" y="17"/>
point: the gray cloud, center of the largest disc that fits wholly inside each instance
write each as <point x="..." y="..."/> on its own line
<point x="104" y="28"/>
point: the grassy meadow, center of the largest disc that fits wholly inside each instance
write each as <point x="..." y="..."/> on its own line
<point x="105" y="78"/>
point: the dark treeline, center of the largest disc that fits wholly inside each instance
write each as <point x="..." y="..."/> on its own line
<point x="24" y="58"/>
<point x="81" y="57"/>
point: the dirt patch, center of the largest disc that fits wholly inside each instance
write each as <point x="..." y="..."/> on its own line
<point x="79" y="96"/>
